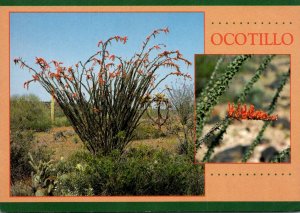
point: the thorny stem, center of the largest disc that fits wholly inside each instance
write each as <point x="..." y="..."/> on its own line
<point x="224" y="125"/>
<point x="271" y="109"/>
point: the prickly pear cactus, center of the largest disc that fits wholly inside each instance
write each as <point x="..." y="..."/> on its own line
<point x="43" y="184"/>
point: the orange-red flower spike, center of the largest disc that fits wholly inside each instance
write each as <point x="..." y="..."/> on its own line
<point x="241" y="112"/>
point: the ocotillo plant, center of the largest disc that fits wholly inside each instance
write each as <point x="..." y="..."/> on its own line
<point x="271" y="109"/>
<point x="210" y="96"/>
<point x="238" y="111"/>
<point x="223" y="125"/>
<point x="105" y="96"/>
<point x="161" y="104"/>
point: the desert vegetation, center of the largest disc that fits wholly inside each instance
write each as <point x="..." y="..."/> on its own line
<point x="116" y="132"/>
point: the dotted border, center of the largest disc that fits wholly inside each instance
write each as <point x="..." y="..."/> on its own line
<point x="248" y="22"/>
<point x="249" y="174"/>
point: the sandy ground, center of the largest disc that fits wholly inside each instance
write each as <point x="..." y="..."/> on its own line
<point x="64" y="146"/>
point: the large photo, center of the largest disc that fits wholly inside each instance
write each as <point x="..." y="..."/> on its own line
<point x="102" y="104"/>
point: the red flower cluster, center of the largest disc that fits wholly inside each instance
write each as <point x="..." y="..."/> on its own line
<point x="178" y="73"/>
<point x="117" y="38"/>
<point x="42" y="62"/>
<point x="241" y="112"/>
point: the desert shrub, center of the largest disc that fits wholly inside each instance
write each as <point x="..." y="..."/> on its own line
<point x="147" y="131"/>
<point x="139" y="171"/>
<point x="27" y="112"/>
<point x="21" y="188"/>
<point x="181" y="99"/>
<point x="105" y="96"/>
<point x="20" y="145"/>
<point x="61" y="121"/>
<point x="28" y="115"/>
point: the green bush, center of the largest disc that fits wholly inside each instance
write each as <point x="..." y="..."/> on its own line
<point x="147" y="131"/>
<point x="139" y="171"/>
<point x="21" y="143"/>
<point x="29" y="113"/>
<point x="21" y="189"/>
<point x="61" y="121"/>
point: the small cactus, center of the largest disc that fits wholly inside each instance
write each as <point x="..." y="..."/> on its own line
<point x="43" y="184"/>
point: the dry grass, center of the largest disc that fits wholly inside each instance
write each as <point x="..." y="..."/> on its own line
<point x="65" y="146"/>
<point x="169" y="143"/>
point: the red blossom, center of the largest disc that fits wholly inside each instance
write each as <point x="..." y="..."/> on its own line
<point x="179" y="55"/>
<point x="165" y="53"/>
<point x="52" y="75"/>
<point x="56" y="63"/>
<point x="166" y="30"/>
<point x="59" y="70"/>
<point x="96" y="61"/>
<point x="112" y="75"/>
<point x="26" y="84"/>
<point x="188" y="76"/>
<point x="99" y="43"/>
<point x="109" y="65"/>
<point x="70" y="69"/>
<point x="241" y="113"/>
<point x="118" y="73"/>
<point x="70" y="79"/>
<point x="178" y="73"/>
<point x="112" y="57"/>
<point x="36" y="77"/>
<point x="124" y="39"/>
<point x="42" y="62"/>
<point x="57" y="76"/>
<point x="101" y="81"/>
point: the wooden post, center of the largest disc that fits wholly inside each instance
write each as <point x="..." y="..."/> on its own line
<point x="52" y="108"/>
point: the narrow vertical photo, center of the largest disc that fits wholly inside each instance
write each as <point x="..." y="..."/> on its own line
<point x="102" y="104"/>
<point x="243" y="108"/>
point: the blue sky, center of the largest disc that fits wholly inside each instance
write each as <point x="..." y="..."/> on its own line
<point x="71" y="37"/>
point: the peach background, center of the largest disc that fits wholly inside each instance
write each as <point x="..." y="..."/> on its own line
<point x="217" y="188"/>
